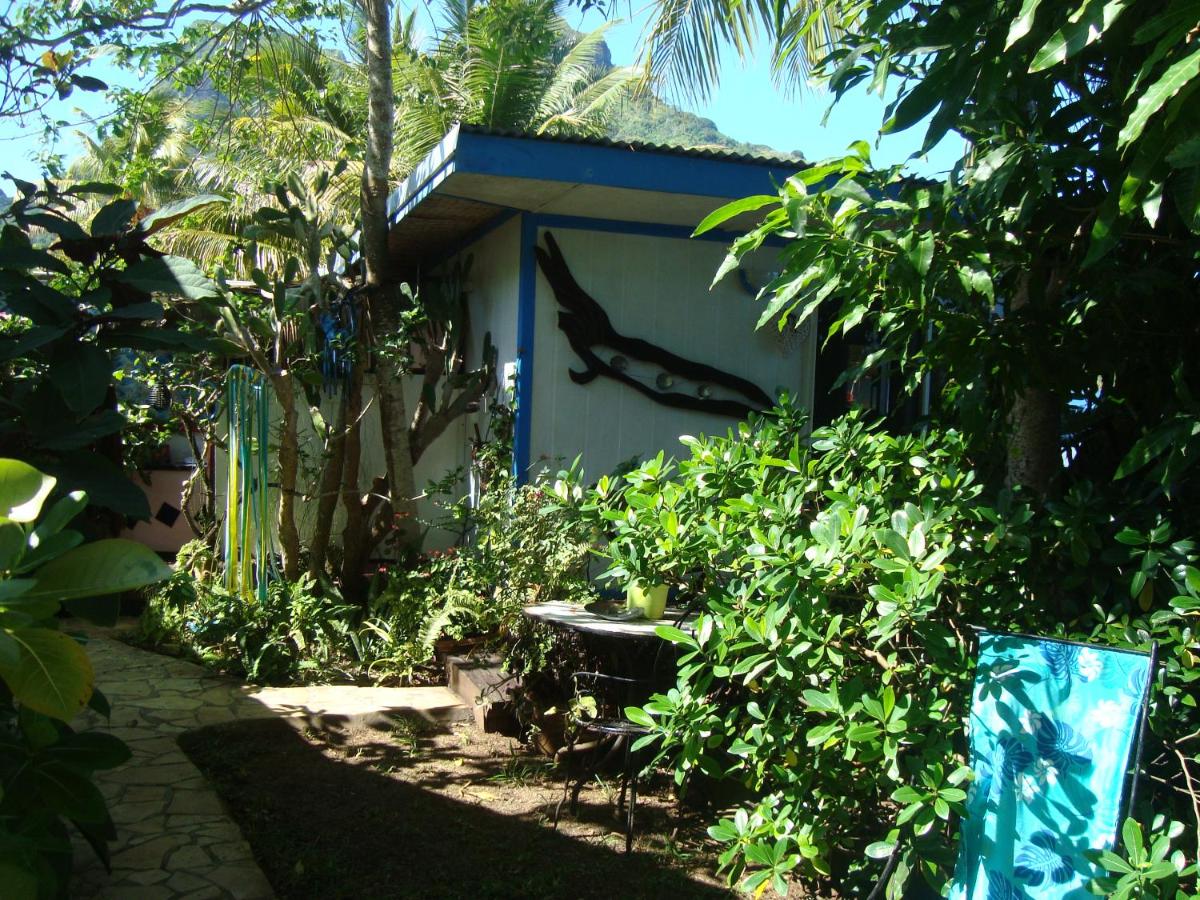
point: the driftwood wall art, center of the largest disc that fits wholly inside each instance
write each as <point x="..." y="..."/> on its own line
<point x="586" y="326"/>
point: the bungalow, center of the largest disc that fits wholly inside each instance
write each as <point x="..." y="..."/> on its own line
<point x="596" y="297"/>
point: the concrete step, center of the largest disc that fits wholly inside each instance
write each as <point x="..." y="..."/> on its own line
<point x="365" y="705"/>
<point x="482" y="684"/>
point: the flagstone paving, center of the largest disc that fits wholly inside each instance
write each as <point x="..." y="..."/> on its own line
<point x="174" y="837"/>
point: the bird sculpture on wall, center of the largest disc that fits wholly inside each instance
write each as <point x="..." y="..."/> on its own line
<point x="587" y="326"/>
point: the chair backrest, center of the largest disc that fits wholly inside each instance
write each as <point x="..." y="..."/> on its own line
<point x="1053" y="725"/>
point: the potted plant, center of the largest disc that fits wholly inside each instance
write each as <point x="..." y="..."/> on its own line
<point x="643" y="544"/>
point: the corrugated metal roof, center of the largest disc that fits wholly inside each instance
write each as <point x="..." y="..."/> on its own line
<point x="643" y="147"/>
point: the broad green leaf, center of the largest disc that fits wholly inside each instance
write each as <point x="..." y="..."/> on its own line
<point x="1155" y="97"/>
<point x="89" y="751"/>
<point x="27" y="258"/>
<point x="98" y="569"/>
<point x="173" y="212"/>
<point x="114" y="218"/>
<point x="61" y="514"/>
<point x="104" y="482"/>
<point x="23" y="490"/>
<point x="170" y="275"/>
<point x="43" y="549"/>
<point x="19" y="883"/>
<point x="81" y="373"/>
<point x="731" y="210"/>
<point x="11" y="588"/>
<point x="70" y="793"/>
<point x="53" y="675"/>
<point x="12" y="543"/>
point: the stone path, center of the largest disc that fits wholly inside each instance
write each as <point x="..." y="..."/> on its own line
<point x="175" y="839"/>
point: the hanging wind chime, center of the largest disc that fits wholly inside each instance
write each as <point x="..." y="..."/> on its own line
<point x="247" y="518"/>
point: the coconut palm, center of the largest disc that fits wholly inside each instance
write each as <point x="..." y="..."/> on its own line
<point x="504" y="64"/>
<point x="684" y="40"/>
<point x="296" y="109"/>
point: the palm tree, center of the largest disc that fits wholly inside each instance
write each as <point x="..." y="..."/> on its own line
<point x="296" y="109"/>
<point x="684" y="40"/>
<point x="504" y="64"/>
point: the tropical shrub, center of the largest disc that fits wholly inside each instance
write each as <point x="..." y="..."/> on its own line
<point x="298" y="635"/>
<point x="75" y="298"/>
<point x="830" y="671"/>
<point x="46" y="679"/>
<point x="522" y="544"/>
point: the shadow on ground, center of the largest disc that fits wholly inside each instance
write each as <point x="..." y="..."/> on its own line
<point x="367" y="810"/>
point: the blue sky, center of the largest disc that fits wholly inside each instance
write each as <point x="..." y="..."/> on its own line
<point x="746" y="106"/>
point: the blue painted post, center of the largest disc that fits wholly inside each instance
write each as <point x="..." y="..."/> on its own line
<point x="526" y="299"/>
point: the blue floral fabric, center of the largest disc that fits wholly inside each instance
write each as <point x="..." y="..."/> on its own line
<point x="1051" y="730"/>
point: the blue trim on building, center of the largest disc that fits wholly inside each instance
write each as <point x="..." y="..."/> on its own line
<point x="516" y="157"/>
<point x="574" y="163"/>
<point x="526" y="312"/>
<point x="643" y="229"/>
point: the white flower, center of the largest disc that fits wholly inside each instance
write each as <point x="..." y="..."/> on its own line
<point x="1089" y="665"/>
<point x="1031" y="721"/>
<point x="1108" y="714"/>
<point x="1029" y="787"/>
<point x="1046" y="773"/>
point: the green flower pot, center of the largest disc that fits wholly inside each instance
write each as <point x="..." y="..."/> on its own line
<point x="652" y="601"/>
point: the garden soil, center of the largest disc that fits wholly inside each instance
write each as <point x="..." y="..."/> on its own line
<point x="402" y="808"/>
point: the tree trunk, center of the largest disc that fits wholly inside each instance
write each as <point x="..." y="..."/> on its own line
<point x="354" y="534"/>
<point x="382" y="297"/>
<point x="1034" y="452"/>
<point x="328" y="491"/>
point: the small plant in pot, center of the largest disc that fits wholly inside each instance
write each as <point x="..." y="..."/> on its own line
<point x="645" y="559"/>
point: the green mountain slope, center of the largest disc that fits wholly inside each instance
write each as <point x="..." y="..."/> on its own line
<point x="656" y="122"/>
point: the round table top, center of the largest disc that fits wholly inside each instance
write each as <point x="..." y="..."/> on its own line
<point x="575" y="617"/>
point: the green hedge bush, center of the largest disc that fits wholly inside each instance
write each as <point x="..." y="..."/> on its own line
<point x="830" y="672"/>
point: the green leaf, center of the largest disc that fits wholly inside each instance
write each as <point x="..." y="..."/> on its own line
<point x="860" y="733"/>
<point x="61" y="514"/>
<point x="19" y="883"/>
<point x="1086" y="26"/>
<point x="674" y="635"/>
<point x="81" y="373"/>
<point x="921" y="255"/>
<point x="918" y="103"/>
<point x="1023" y="23"/>
<point x="27" y="258"/>
<point x="70" y="793"/>
<point x="53" y="674"/>
<point x="171" y="213"/>
<point x="113" y="218"/>
<point x="23" y="490"/>
<point x="104" y="482"/>
<point x="730" y="210"/>
<point x="170" y="275"/>
<point x="880" y="849"/>
<point x="100" y="568"/>
<point x="1159" y="94"/>
<point x="639" y="716"/>
<point x="819" y="734"/>
<point x="821" y="701"/>
<point x="88" y="751"/>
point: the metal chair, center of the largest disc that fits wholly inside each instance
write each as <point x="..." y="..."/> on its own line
<point x="607" y="725"/>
